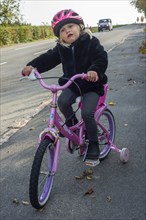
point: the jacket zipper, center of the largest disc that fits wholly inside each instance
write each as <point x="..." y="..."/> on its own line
<point x="73" y="55"/>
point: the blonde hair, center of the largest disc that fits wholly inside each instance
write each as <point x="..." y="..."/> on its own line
<point x="83" y="31"/>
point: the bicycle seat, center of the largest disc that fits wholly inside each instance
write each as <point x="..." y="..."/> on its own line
<point x="101" y="99"/>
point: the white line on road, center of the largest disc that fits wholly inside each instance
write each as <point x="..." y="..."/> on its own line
<point x="122" y="41"/>
<point x="21" y="48"/>
<point x="22" y="122"/>
<point x="3" y="63"/>
<point x="40" y="52"/>
<point x="27" y="46"/>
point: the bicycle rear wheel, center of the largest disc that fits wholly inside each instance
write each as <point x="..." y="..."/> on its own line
<point x="106" y="132"/>
<point x="42" y="176"/>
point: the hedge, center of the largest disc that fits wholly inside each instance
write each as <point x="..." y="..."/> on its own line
<point x="23" y="33"/>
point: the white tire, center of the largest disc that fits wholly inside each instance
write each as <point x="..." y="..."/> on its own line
<point x="124" y="155"/>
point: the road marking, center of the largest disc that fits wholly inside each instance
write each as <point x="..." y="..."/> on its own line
<point x="24" y="47"/>
<point x="22" y="122"/>
<point x="111" y="48"/>
<point x="21" y="48"/>
<point x="117" y="44"/>
<point x="3" y="63"/>
<point x="40" y="52"/>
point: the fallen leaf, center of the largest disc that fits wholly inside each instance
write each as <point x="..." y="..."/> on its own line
<point x="93" y="196"/>
<point x="108" y="198"/>
<point x="25" y="203"/>
<point x="88" y="177"/>
<point x="40" y="210"/>
<point x="96" y="177"/>
<point x="111" y="103"/>
<point x="31" y="129"/>
<point x="89" y="192"/>
<point x="12" y="127"/>
<point x="16" y="201"/>
<point x="87" y="172"/>
<point x="79" y="177"/>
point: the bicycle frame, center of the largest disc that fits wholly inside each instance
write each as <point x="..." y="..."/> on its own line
<point x="56" y="120"/>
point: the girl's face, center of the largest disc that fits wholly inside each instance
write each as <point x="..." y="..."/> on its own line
<point x="70" y="33"/>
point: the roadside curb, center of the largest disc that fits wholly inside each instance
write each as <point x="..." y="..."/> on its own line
<point x="21" y="123"/>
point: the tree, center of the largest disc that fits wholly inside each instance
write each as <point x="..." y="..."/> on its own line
<point x="137" y="19"/>
<point x="10" y="12"/>
<point x="142" y="19"/>
<point x="140" y="5"/>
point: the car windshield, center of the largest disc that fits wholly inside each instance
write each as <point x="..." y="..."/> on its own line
<point x="103" y="21"/>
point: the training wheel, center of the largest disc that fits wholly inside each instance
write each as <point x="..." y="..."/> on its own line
<point x="124" y="155"/>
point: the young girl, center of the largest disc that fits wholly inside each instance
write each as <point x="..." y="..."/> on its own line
<point x="79" y="52"/>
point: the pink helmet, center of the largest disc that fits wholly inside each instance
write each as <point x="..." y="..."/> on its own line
<point x="64" y="17"/>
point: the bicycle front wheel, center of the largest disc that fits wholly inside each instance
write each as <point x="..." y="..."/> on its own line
<point x="106" y="132"/>
<point x="41" y="177"/>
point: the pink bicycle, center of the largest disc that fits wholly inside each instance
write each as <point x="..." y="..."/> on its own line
<point x="46" y="158"/>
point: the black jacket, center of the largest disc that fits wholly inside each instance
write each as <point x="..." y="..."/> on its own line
<point x="83" y="55"/>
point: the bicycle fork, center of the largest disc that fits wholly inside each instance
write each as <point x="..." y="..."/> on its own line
<point x="50" y="134"/>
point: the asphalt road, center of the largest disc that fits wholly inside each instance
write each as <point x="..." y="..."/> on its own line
<point x="119" y="190"/>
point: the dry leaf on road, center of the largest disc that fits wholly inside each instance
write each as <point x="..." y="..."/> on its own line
<point x="89" y="192"/>
<point x="111" y="103"/>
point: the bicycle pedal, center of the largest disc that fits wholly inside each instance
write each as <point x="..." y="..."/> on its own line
<point x="92" y="163"/>
<point x="72" y="147"/>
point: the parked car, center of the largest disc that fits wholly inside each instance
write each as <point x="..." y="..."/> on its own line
<point x="105" y="24"/>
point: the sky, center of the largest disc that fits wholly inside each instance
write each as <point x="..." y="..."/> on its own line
<point x="38" y="12"/>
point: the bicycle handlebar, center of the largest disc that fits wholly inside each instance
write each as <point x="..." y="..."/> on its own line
<point x="36" y="75"/>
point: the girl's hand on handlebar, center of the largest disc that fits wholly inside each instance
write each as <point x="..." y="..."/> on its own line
<point x="26" y="74"/>
<point x="27" y="70"/>
<point x="92" y="76"/>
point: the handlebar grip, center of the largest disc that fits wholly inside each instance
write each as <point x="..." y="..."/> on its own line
<point x="32" y="76"/>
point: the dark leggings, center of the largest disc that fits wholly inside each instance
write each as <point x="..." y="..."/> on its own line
<point x="90" y="100"/>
